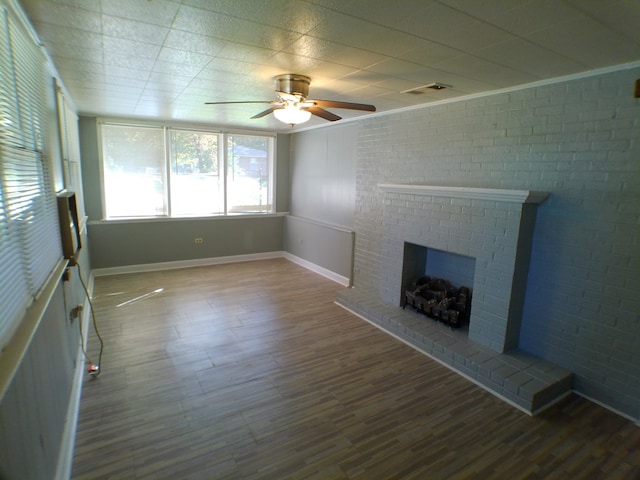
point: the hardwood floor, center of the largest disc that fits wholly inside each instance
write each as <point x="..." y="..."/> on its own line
<point x="250" y="371"/>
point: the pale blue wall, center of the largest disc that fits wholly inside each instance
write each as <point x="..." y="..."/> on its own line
<point x="578" y="140"/>
<point x="33" y="412"/>
<point x="319" y="230"/>
<point x="323" y="167"/>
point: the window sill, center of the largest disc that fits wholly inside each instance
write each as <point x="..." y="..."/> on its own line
<point x="186" y="219"/>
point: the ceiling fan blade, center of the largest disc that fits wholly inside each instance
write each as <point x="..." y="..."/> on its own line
<point x="347" y="105"/>
<point x="267" y="111"/>
<point x="321" y="112"/>
<point x="249" y="101"/>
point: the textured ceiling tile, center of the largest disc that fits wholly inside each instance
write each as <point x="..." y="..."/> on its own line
<point x="193" y="42"/>
<point x="208" y="77"/>
<point x="169" y="77"/>
<point x="91" y="5"/>
<point x="69" y="36"/>
<point x="191" y="51"/>
<point x="336" y="88"/>
<point x="245" y="53"/>
<point x="493" y="75"/>
<point x="388" y="13"/>
<point x="158" y="12"/>
<point x="63" y="16"/>
<point x="292" y="15"/>
<point x="121" y="91"/>
<point x="426" y="52"/>
<point x="183" y="58"/>
<point x="346" y="30"/>
<point x="113" y="45"/>
<point x="322" y="49"/>
<point x="402" y="69"/>
<point x="109" y="91"/>
<point x="229" y="65"/>
<point x="588" y="42"/>
<point x="327" y="71"/>
<point x="132" y="30"/>
<point x="110" y="79"/>
<point x="77" y="79"/>
<point x="124" y="72"/>
<point x="531" y="58"/>
<point x="128" y="61"/>
<point x="454" y="28"/>
<point x="180" y="70"/>
<point x="367" y="92"/>
<point x="622" y="16"/>
<point x="70" y="52"/>
<point x="160" y="90"/>
<point x="241" y="31"/>
<point x="288" y="63"/>
<point x="397" y="85"/>
<point x="516" y="16"/>
<point x="75" y="66"/>
<point x="397" y="98"/>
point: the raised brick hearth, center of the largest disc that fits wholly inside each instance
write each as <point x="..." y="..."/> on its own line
<point x="520" y="379"/>
<point x="492" y="226"/>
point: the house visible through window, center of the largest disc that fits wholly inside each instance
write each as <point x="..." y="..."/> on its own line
<point x="160" y="171"/>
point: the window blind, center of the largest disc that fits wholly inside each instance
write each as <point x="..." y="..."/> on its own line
<point x="30" y="244"/>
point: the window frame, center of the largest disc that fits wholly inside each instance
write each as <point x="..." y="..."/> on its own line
<point x="30" y="248"/>
<point x="223" y="136"/>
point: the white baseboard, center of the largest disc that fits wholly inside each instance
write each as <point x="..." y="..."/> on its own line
<point x="344" y="281"/>
<point x="67" y="443"/>
<point x="198" y="262"/>
<point x="636" y="421"/>
<point x="201" y="262"/>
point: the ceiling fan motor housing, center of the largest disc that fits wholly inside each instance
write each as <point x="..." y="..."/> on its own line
<point x="293" y="84"/>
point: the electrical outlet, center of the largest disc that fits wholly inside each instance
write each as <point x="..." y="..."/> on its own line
<point x="199" y="240"/>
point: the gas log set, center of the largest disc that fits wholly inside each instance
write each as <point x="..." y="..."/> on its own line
<point x="438" y="299"/>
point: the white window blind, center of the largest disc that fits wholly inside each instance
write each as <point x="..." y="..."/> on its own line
<point x="30" y="246"/>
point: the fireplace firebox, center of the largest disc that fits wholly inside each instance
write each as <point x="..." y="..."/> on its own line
<point x="438" y="299"/>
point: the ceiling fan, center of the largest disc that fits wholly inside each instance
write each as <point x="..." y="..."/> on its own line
<point x="293" y="107"/>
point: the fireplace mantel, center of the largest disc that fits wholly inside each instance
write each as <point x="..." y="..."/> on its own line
<point x="495" y="194"/>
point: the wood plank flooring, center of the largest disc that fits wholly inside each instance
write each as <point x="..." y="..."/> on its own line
<point x="250" y="371"/>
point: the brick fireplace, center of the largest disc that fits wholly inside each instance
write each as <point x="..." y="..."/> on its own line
<point x="493" y="228"/>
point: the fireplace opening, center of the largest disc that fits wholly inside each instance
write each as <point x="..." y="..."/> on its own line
<point x="438" y="284"/>
<point x="438" y="299"/>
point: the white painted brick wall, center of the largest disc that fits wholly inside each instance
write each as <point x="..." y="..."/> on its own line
<point x="579" y="140"/>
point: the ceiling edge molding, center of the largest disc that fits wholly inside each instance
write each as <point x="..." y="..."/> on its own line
<point x="472" y="96"/>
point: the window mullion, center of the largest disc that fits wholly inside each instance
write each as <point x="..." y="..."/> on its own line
<point x="167" y="170"/>
<point x="225" y="156"/>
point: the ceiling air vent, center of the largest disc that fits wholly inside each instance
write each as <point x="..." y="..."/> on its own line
<point x="424" y="88"/>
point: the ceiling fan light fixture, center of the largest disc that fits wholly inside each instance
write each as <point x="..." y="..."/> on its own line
<point x="292" y="115"/>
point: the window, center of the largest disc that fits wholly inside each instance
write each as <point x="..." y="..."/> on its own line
<point x="197" y="188"/>
<point x="29" y="237"/>
<point x="133" y="171"/>
<point x="249" y="174"/>
<point x="70" y="149"/>
<point x="159" y="171"/>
